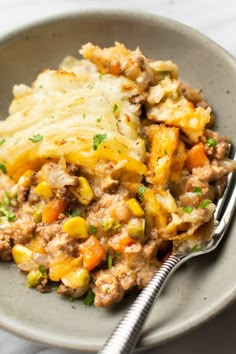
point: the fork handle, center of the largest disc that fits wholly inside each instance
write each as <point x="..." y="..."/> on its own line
<point x="124" y="337"/>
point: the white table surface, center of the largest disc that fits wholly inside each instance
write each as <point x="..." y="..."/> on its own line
<point x="216" y="19"/>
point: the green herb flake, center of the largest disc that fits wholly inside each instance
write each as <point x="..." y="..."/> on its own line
<point x="100" y="76"/>
<point x="98" y="139"/>
<point x="10" y="215"/>
<point x="42" y="270"/>
<point x="99" y="118"/>
<point x="84" y="115"/>
<point x="7" y="199"/>
<point x="141" y="190"/>
<point x="115" y="108"/>
<point x="107" y="291"/>
<point x="119" y="151"/>
<point x="89" y="298"/>
<point x="187" y="209"/>
<point x="165" y="152"/>
<point x="3" y="168"/>
<point x="93" y="229"/>
<point x="197" y="190"/>
<point x="109" y="261"/>
<point x="76" y="213"/>
<point x="204" y="203"/>
<point x="36" y="138"/>
<point x="2" y="141"/>
<point x="211" y="142"/>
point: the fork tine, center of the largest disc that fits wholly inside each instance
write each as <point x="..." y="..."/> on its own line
<point x="221" y="202"/>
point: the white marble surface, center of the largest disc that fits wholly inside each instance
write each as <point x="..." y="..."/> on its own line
<point x="216" y="19"/>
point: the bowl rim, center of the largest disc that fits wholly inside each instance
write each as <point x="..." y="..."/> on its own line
<point x="14" y="325"/>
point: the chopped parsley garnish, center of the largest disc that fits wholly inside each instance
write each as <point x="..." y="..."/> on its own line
<point x="89" y="298"/>
<point x="165" y="152"/>
<point x="115" y="108"/>
<point x="76" y="213"/>
<point x="2" y="141"/>
<point x="109" y="261"/>
<point x="10" y="215"/>
<point x="119" y="151"/>
<point x="211" y="142"/>
<point x="3" y="168"/>
<point x="84" y="115"/>
<point x="141" y="190"/>
<point x="98" y="139"/>
<point x="187" y="209"/>
<point x="42" y="270"/>
<point x="197" y="190"/>
<point x="36" y="138"/>
<point x="7" y="199"/>
<point x="99" y="118"/>
<point x="93" y="229"/>
<point x="100" y="76"/>
<point x="204" y="203"/>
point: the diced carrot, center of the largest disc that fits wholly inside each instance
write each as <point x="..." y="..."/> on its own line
<point x="196" y="157"/>
<point x="52" y="210"/>
<point x="93" y="252"/>
<point x="120" y="242"/>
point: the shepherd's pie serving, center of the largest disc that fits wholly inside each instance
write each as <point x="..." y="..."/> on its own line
<point x="106" y="165"/>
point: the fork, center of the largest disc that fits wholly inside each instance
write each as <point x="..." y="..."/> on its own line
<point x="125" y="336"/>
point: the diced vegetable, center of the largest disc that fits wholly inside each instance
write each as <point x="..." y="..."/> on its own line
<point x="110" y="224"/>
<point x="52" y="210"/>
<point x="62" y="266"/>
<point x="76" y="279"/>
<point x="136" y="227"/>
<point x="120" y="242"/>
<point x="135" y="207"/>
<point x="84" y="192"/>
<point x="34" y="278"/>
<point x="37" y="213"/>
<point x="93" y="252"/>
<point x="21" y="254"/>
<point x="196" y="157"/>
<point x="43" y="190"/>
<point x="76" y="227"/>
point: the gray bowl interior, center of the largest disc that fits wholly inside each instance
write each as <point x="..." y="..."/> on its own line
<point x="202" y="287"/>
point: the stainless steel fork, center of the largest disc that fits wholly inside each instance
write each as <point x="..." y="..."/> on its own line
<point x="125" y="336"/>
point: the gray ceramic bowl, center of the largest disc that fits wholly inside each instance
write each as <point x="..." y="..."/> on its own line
<point x="202" y="287"/>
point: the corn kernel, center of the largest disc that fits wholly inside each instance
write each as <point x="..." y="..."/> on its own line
<point x="77" y="279"/>
<point x="43" y="190"/>
<point x="21" y="254"/>
<point x="135" y="207"/>
<point x="84" y="192"/>
<point x="76" y="227"/>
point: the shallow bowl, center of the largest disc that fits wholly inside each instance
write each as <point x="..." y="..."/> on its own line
<point x="202" y="287"/>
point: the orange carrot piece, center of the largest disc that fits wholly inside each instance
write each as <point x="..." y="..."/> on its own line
<point x="93" y="252"/>
<point x="196" y="157"/>
<point x="52" y="210"/>
<point x="120" y="242"/>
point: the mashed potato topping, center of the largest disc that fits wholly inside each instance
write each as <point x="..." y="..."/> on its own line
<point x="106" y="163"/>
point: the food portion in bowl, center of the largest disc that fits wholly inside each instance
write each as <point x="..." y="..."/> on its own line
<point x="106" y="164"/>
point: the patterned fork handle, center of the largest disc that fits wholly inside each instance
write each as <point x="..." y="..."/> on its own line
<point x="126" y="334"/>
